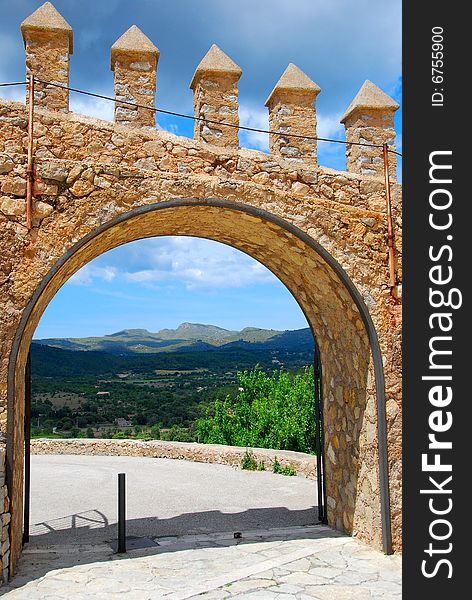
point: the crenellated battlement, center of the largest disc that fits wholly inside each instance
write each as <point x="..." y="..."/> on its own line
<point x="134" y="62"/>
<point x="48" y="42"/>
<point x="291" y="104"/>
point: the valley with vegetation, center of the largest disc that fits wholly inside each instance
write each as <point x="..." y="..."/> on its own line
<point x="200" y="383"/>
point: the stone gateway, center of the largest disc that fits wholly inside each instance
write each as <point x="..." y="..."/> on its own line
<point x="322" y="232"/>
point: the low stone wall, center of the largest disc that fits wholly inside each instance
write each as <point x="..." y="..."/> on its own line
<point x="4" y="519"/>
<point x="304" y="464"/>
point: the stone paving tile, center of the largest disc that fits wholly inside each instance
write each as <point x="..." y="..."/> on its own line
<point x="298" y="564"/>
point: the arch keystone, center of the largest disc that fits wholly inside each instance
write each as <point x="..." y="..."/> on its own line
<point x="133" y="60"/>
<point x="292" y="110"/>
<point x="48" y="39"/>
<point x="369" y="120"/>
<point x="215" y="87"/>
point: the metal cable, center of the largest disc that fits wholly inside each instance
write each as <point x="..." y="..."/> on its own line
<point x="14" y="83"/>
<point x="194" y="118"/>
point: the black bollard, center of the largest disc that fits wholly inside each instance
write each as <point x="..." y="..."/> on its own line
<point x="121" y="513"/>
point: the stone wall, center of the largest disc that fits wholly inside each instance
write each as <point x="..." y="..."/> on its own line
<point x="369" y="120"/>
<point x="134" y="62"/>
<point x="4" y="519"/>
<point x="304" y="464"/>
<point x="215" y="99"/>
<point x="292" y="112"/>
<point x="89" y="173"/>
<point x="48" y="40"/>
<point x="86" y="155"/>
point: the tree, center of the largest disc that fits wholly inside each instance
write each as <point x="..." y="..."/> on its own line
<point x="156" y="432"/>
<point x="270" y="411"/>
<point x="66" y="423"/>
<point x="139" y="419"/>
<point x="81" y="421"/>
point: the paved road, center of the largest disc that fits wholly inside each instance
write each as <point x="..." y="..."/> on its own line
<point x="304" y="563"/>
<point x="73" y="498"/>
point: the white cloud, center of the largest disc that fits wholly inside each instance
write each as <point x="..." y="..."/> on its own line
<point x="104" y="109"/>
<point x="170" y="127"/>
<point x="92" y="107"/>
<point x="82" y="105"/>
<point x="142" y="276"/>
<point x="16" y="92"/>
<point x="194" y="262"/>
<point x="257" y="118"/>
<point x="90" y="273"/>
<point x="329" y="153"/>
<point x="328" y="126"/>
<point x="399" y="142"/>
<point x="197" y="263"/>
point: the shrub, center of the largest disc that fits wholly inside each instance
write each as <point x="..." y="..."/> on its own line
<point x="178" y="434"/>
<point x="75" y="432"/>
<point x="283" y="470"/>
<point x="248" y="461"/>
<point x="270" y="411"/>
<point x="155" y="432"/>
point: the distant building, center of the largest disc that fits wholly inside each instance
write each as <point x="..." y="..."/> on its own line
<point x="122" y="422"/>
<point x="103" y="393"/>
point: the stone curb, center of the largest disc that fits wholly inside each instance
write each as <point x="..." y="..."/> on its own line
<point x="304" y="464"/>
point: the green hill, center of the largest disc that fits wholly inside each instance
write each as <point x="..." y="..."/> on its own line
<point x="148" y="380"/>
<point x="186" y="337"/>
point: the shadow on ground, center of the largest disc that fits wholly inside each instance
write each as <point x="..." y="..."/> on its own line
<point x="93" y="526"/>
<point x="66" y="554"/>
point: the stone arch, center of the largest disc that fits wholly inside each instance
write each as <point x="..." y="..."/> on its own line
<point x="353" y="381"/>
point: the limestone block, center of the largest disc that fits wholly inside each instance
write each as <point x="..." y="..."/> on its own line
<point x="369" y="120"/>
<point x="134" y="63"/>
<point x="292" y="112"/>
<point x="6" y="164"/>
<point x="49" y="42"/>
<point x="215" y="87"/>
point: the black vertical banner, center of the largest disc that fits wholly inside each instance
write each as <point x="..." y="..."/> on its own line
<point x="437" y="267"/>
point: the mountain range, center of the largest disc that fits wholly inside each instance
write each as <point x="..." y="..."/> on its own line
<point x="185" y="338"/>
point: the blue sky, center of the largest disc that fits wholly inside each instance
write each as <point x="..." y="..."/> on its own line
<point x="338" y="43"/>
<point x="161" y="282"/>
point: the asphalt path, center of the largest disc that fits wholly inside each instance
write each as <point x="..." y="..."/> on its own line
<point x="74" y="498"/>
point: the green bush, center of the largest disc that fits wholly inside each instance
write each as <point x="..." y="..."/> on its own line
<point x="270" y="411"/>
<point x="177" y="434"/>
<point x="155" y="432"/>
<point x="248" y="461"/>
<point x="283" y="470"/>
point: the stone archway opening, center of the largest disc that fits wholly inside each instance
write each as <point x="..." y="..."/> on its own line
<point x="352" y="378"/>
<point x="122" y="296"/>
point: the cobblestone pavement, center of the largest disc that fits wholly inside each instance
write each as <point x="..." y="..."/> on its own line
<point x="286" y="564"/>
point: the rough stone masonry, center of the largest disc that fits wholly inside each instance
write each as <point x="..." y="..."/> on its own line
<point x="322" y="232"/>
